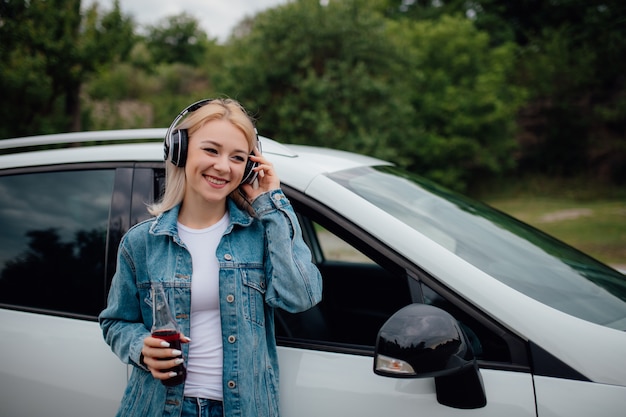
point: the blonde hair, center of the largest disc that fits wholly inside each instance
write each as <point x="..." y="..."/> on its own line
<point x="218" y="109"/>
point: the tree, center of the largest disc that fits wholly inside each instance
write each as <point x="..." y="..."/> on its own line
<point x="571" y="61"/>
<point x="574" y="67"/>
<point x="177" y="40"/>
<point x="464" y="103"/>
<point x="331" y="79"/>
<point x="50" y="48"/>
<point x="432" y="96"/>
<point x="168" y="67"/>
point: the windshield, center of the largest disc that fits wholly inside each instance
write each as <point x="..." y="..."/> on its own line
<point x="516" y="254"/>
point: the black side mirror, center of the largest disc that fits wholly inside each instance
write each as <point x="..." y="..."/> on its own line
<point x="422" y="341"/>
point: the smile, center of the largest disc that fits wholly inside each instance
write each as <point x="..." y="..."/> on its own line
<point x="215" y="181"/>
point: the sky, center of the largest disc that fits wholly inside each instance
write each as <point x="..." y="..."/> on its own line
<point x="217" y="17"/>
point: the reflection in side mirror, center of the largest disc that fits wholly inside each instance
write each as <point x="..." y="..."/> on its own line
<point x="422" y="341"/>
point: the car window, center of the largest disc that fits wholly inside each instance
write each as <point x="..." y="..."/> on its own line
<point x="514" y="253"/>
<point x="52" y="245"/>
<point x="359" y="293"/>
<point x="335" y="249"/>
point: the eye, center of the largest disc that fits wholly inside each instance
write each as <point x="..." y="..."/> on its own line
<point x="210" y="150"/>
<point x="239" y="158"/>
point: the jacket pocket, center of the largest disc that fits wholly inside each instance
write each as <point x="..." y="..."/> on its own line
<point x="254" y="295"/>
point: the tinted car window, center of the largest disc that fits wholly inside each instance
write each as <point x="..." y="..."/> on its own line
<point x="359" y="293"/>
<point x="52" y="245"/>
<point x="512" y="252"/>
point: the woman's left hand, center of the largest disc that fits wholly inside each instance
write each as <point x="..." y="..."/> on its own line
<point x="266" y="180"/>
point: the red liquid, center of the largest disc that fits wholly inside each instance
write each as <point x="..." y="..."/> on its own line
<point x="173" y="338"/>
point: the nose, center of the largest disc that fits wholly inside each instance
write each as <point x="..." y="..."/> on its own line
<point x="222" y="163"/>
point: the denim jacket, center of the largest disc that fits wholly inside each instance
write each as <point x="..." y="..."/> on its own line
<point x="264" y="264"/>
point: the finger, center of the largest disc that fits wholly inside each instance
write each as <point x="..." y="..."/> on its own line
<point x="160" y="365"/>
<point x="165" y="373"/>
<point x="162" y="353"/>
<point x="154" y="342"/>
<point x="256" y="157"/>
<point x="162" y="375"/>
<point x="159" y="353"/>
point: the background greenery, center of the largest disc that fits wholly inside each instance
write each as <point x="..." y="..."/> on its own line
<point x="477" y="95"/>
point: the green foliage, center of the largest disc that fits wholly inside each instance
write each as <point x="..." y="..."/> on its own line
<point x="571" y="62"/>
<point x="48" y="50"/>
<point x="576" y="76"/>
<point x="331" y="79"/>
<point x="105" y="38"/>
<point x="164" y="72"/>
<point x="177" y="40"/>
<point x="433" y="96"/>
<point x="464" y="102"/>
<point x="125" y="96"/>
<point x="180" y="85"/>
<point x="438" y="87"/>
<point x="33" y="42"/>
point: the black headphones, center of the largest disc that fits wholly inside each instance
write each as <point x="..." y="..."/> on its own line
<point x="176" y="140"/>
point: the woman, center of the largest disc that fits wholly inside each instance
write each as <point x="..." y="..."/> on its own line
<point x="227" y="253"/>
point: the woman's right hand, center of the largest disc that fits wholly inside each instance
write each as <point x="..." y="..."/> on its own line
<point x="158" y="356"/>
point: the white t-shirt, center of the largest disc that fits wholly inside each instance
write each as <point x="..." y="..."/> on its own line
<point x="204" y="365"/>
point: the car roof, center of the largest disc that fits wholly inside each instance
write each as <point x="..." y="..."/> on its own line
<point x="296" y="165"/>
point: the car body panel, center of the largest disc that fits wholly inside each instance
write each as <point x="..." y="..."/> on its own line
<point x="328" y="383"/>
<point x="59" y="358"/>
<point x="561" y="397"/>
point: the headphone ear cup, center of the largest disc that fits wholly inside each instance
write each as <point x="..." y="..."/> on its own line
<point x="248" y="174"/>
<point x="178" y="147"/>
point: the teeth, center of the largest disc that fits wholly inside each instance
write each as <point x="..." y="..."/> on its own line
<point x="216" y="181"/>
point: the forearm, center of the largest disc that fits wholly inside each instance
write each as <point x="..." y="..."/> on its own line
<point x="293" y="281"/>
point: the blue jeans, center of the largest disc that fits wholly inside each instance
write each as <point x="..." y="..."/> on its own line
<point x="201" y="407"/>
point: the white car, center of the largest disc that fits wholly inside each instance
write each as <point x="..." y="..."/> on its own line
<point x="434" y="304"/>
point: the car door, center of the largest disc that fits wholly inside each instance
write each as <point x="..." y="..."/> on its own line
<point x="54" y="223"/>
<point x="326" y="354"/>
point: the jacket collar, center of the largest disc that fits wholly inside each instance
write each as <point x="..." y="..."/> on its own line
<point x="166" y="223"/>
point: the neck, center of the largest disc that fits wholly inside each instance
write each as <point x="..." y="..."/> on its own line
<point x="200" y="216"/>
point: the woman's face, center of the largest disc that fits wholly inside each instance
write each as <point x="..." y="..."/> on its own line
<point x="216" y="160"/>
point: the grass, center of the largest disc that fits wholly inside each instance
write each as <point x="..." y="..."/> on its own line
<point x="587" y="216"/>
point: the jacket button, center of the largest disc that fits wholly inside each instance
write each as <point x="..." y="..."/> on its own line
<point x="230" y="298"/>
<point x="231" y="339"/>
<point x="231" y="384"/>
<point x="228" y="257"/>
